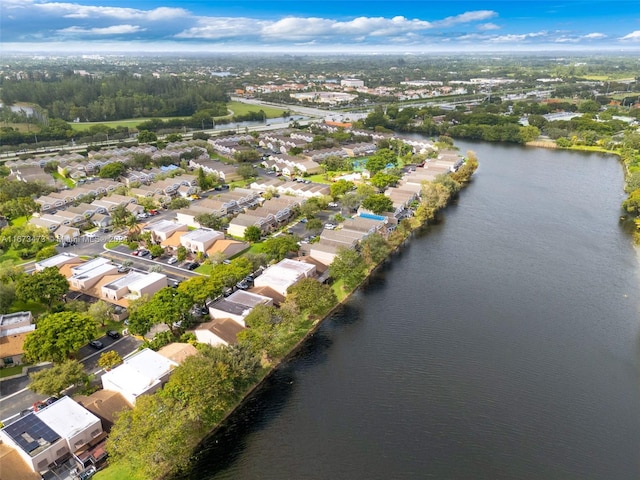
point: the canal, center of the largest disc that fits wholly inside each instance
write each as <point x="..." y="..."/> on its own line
<point x="502" y="343"/>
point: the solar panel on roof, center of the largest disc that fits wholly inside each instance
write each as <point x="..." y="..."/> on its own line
<point x="28" y="431"/>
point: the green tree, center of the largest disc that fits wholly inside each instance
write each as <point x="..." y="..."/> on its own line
<point x="341" y="187"/>
<point x="46" y="252"/>
<point x="145" y="136"/>
<point x="166" y="306"/>
<point x="46" y="286"/>
<point x="7" y="296"/>
<point x="55" y="380"/>
<point x="200" y="288"/>
<point x="210" y="220"/>
<point x="156" y="250"/>
<point x="178" y="203"/>
<point x="19" y="207"/>
<point x="312" y="296"/>
<point x="279" y="247"/>
<point x="109" y="359"/>
<point x="348" y="266"/>
<point x="378" y="203"/>
<point x="374" y="248"/>
<point x="383" y="180"/>
<point x="632" y="203"/>
<point x="57" y="335"/>
<point x="112" y="170"/>
<point x="252" y="233"/>
<point x="101" y="312"/>
<point x="181" y="253"/>
<point x="246" y="171"/>
<point x="380" y="160"/>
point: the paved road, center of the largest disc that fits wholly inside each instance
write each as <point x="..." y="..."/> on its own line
<point x="16" y="397"/>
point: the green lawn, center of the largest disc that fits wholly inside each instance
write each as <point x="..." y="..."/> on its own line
<point x="16" y="222"/>
<point x="34" y="307"/>
<point x="130" y="123"/>
<point x="9" y="258"/>
<point x="11" y="371"/>
<point x="239" y="108"/>
<point x="67" y="181"/>
<point x="118" y="472"/>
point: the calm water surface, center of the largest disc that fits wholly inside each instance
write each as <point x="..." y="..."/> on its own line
<point x="501" y="344"/>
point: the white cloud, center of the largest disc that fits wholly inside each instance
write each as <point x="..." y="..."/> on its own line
<point x="74" y="10"/>
<point x="466" y="17"/>
<point x="594" y="35"/>
<point x="113" y="30"/>
<point x="515" y="38"/>
<point x="217" y="28"/>
<point x="487" y="26"/>
<point x="634" y="36"/>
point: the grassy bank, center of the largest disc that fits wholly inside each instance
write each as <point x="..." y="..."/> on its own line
<point x="158" y="437"/>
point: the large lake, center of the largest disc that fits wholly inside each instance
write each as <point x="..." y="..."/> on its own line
<point x="502" y="343"/>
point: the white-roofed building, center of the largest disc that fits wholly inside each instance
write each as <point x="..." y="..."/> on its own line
<point x="86" y="275"/>
<point x="143" y="372"/>
<point x="74" y="423"/>
<point x="200" y="240"/>
<point x="57" y="261"/>
<point x="237" y="306"/>
<point x="134" y="285"/>
<point x="163" y="229"/>
<point x="284" y="274"/>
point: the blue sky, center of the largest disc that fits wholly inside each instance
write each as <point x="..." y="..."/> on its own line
<point x="93" y="26"/>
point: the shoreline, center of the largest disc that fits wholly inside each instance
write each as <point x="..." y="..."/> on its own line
<point x="248" y="395"/>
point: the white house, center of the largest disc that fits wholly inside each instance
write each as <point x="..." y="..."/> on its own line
<point x="237" y="306"/>
<point x="143" y="372"/>
<point x="219" y="331"/>
<point x="285" y="274"/>
<point x="75" y="424"/>
<point x="200" y="240"/>
<point x="134" y="285"/>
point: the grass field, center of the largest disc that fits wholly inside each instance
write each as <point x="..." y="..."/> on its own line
<point x="10" y="371"/>
<point x="117" y="472"/>
<point x="67" y="181"/>
<point x="21" y="127"/>
<point x="237" y="108"/>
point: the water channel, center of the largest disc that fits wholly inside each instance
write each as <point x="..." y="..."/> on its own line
<point x="502" y="343"/>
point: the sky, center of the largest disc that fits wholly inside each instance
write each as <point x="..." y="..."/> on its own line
<point x="373" y="26"/>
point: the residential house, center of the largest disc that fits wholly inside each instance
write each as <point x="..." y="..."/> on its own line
<point x="38" y="444"/>
<point x="228" y="248"/>
<point x="284" y="274"/>
<point x="133" y="285"/>
<point x="104" y="404"/>
<point x="238" y="225"/>
<point x="143" y="372"/>
<point x="58" y="261"/>
<point x="14" y="328"/>
<point x="237" y="306"/>
<point x="200" y="240"/>
<point x="87" y="274"/>
<point x="162" y="229"/>
<point x="65" y="234"/>
<point x="226" y="173"/>
<point x="178" y="352"/>
<point x="76" y="425"/>
<point x="220" y="331"/>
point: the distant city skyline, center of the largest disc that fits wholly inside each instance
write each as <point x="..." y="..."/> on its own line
<point x="375" y="26"/>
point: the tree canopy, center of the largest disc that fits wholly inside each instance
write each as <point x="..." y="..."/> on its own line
<point x="53" y="381"/>
<point x="57" y="335"/>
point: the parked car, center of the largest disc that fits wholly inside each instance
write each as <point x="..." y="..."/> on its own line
<point x="142" y="216"/>
<point x="329" y="226"/>
<point x="135" y="253"/>
<point x="193" y="265"/>
<point x="97" y="344"/>
<point x="153" y="212"/>
<point x="119" y="238"/>
<point x="123" y="269"/>
<point x="113" y="334"/>
<point x="143" y="253"/>
<point x="333" y="205"/>
<point x="172" y="260"/>
<point x="44" y="403"/>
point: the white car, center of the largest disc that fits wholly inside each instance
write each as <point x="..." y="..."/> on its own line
<point x="172" y="260"/>
<point x="329" y="226"/>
